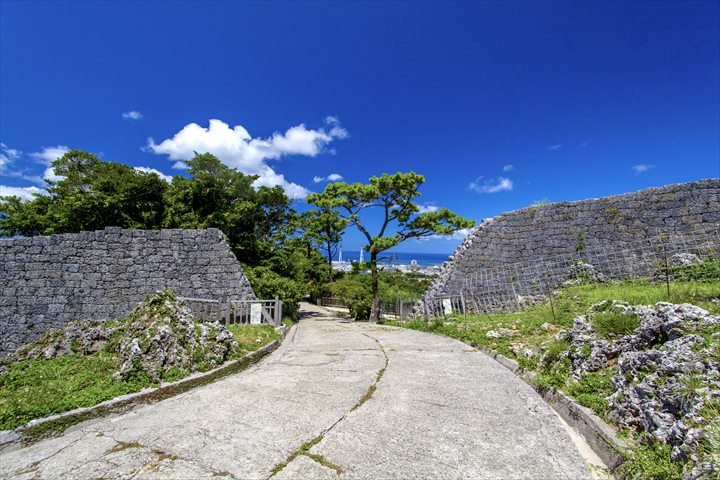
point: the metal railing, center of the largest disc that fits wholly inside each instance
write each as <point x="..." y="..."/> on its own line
<point x="235" y="311"/>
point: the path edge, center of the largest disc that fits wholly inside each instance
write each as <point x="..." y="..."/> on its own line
<point x="596" y="432"/>
<point x="56" y="424"/>
<point x="599" y="435"/>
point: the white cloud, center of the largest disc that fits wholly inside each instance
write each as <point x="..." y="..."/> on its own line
<point x="427" y="208"/>
<point x="25" y="193"/>
<point x="180" y="166"/>
<point x="238" y="149"/>
<point x="333" y="177"/>
<point x="51" y="176"/>
<point x="270" y="178"/>
<point x="132" y="115"/>
<point x="491" y="186"/>
<point x="167" y="178"/>
<point x="48" y="154"/>
<point x="642" y="167"/>
<point x="557" y="146"/>
<point x="458" y="235"/>
<point x="462" y="233"/>
<point x="508" y="168"/>
<point x="7" y="156"/>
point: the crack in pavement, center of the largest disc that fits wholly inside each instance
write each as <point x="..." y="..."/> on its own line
<point x="304" y="449"/>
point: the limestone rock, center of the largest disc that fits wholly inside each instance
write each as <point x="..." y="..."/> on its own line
<point x="667" y="373"/>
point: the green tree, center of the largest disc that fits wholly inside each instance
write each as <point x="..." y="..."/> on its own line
<point x="324" y="228"/>
<point x="256" y="222"/>
<point x="91" y="195"/>
<point x="393" y="195"/>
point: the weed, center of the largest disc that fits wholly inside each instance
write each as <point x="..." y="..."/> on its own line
<point x="252" y="337"/>
<point x="612" y="214"/>
<point x="652" y="461"/>
<point x="612" y="324"/>
<point x="591" y="391"/>
<point x="39" y="387"/>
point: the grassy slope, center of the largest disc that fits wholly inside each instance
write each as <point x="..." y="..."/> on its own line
<point x="523" y="332"/>
<point x="36" y="388"/>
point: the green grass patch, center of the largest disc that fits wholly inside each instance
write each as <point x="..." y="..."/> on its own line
<point x="612" y="324"/>
<point x="252" y="337"/>
<point x="591" y="391"/>
<point x="652" y="462"/>
<point x="38" y="387"/>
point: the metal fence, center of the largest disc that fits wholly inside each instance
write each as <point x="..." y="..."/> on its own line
<point x="235" y="311"/>
<point x="514" y="286"/>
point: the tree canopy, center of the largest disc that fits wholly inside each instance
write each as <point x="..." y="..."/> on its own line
<point x="259" y="223"/>
<point x="394" y="196"/>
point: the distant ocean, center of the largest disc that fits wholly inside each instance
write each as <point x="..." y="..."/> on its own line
<point x="399" y="258"/>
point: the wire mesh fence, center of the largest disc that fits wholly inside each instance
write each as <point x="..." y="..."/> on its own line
<point x="513" y="286"/>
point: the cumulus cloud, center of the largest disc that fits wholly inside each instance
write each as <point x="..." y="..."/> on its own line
<point x="235" y="147"/>
<point x="180" y="166"/>
<point x="557" y="146"/>
<point x="491" y="186"/>
<point x="25" y="193"/>
<point x="167" y="178"/>
<point x="333" y="177"/>
<point x="48" y="154"/>
<point x="427" y="208"/>
<point x="132" y="115"/>
<point x="642" y="167"/>
<point x="508" y="168"/>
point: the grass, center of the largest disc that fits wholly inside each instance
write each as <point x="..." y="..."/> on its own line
<point x="612" y="324"/>
<point x="37" y="388"/>
<point x="252" y="337"/>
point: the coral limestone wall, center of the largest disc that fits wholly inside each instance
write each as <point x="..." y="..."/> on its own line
<point x="47" y="281"/>
<point x="518" y="240"/>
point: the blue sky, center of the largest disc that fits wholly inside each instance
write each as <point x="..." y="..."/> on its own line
<point x="499" y="105"/>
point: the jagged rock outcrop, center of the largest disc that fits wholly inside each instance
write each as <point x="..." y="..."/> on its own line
<point x="667" y="373"/>
<point x="160" y="337"/>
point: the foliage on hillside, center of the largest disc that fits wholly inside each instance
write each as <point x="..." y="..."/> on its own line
<point x="355" y="290"/>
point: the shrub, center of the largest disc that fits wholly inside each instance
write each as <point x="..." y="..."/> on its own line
<point x="268" y="284"/>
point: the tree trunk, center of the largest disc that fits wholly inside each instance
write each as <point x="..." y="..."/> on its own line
<point x="375" y="311"/>
<point x="329" y="254"/>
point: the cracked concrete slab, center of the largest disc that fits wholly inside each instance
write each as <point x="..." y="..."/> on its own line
<point x="439" y="410"/>
<point x="304" y="467"/>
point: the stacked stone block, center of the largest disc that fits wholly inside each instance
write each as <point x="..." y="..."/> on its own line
<point x="47" y="281"/>
<point x="527" y="237"/>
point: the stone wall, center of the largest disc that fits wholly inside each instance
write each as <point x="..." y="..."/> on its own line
<point x="47" y="281"/>
<point x="538" y="234"/>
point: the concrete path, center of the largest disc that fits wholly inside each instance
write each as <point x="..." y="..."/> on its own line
<point x="338" y="398"/>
